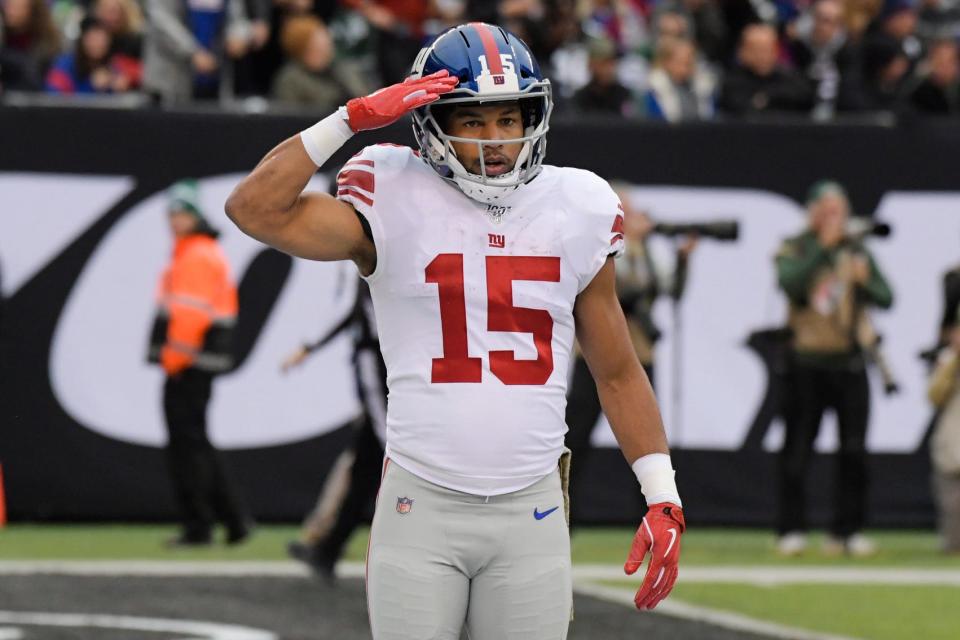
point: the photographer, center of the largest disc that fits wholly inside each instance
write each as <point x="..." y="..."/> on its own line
<point x="829" y="278"/>
<point x="944" y="393"/>
<point x="639" y="282"/>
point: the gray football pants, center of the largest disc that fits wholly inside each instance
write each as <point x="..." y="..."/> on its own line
<point x="456" y="560"/>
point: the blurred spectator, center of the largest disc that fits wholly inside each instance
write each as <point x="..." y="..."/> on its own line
<point x="253" y="72"/>
<point x="884" y="75"/>
<point x="951" y="305"/>
<point x="679" y="89"/>
<point x="310" y="78"/>
<point x="758" y="84"/>
<point x="604" y="93"/>
<point x="671" y="24"/>
<point x="398" y="25"/>
<point x="569" y="63"/>
<point x="740" y="14"/>
<point x="124" y="20"/>
<point x="944" y="393"/>
<point x="355" y="52"/>
<point x="898" y="21"/>
<point x="90" y="68"/>
<point x="820" y="51"/>
<point x="938" y="19"/>
<point x="623" y="23"/>
<point x="525" y="18"/>
<point x="858" y="15"/>
<point x="561" y="24"/>
<point x="29" y="40"/>
<point x="709" y="30"/>
<point x="188" y="44"/>
<point x="619" y="21"/>
<point x="445" y="14"/>
<point x="939" y="91"/>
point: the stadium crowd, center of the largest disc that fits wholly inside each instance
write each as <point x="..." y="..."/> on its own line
<point x="672" y="60"/>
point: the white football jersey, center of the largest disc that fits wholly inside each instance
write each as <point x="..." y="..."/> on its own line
<point x="474" y="306"/>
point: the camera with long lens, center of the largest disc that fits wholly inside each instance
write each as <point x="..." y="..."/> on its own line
<point x="861" y="228"/>
<point x="723" y="230"/>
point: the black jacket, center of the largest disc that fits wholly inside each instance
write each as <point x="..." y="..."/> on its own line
<point x="745" y="92"/>
<point x="931" y="98"/>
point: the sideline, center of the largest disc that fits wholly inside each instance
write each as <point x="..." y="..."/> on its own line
<point x="758" y="576"/>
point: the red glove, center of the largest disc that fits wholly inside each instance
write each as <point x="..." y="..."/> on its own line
<point x="659" y="533"/>
<point x="387" y="105"/>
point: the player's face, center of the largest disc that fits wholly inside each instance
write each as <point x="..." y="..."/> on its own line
<point x="492" y="122"/>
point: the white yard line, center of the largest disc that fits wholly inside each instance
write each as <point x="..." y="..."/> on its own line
<point x="160" y="568"/>
<point x="772" y="576"/>
<point x="191" y="629"/>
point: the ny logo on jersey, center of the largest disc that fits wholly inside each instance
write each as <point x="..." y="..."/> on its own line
<point x="497" y="240"/>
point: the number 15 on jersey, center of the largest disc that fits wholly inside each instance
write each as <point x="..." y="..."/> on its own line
<point x="456" y="365"/>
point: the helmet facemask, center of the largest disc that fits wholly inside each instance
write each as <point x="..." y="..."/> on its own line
<point x="437" y="149"/>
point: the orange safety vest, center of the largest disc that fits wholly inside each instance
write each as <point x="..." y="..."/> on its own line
<point x="197" y="309"/>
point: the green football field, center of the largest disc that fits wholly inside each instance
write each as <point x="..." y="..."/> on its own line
<point x="895" y="600"/>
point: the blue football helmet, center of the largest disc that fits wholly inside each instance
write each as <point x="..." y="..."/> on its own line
<point x="493" y="65"/>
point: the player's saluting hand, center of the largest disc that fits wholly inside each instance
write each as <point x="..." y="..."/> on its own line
<point x="386" y="106"/>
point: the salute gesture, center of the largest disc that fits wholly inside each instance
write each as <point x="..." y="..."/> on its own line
<point x="389" y="104"/>
<point x="453" y="387"/>
<point x="659" y="533"/>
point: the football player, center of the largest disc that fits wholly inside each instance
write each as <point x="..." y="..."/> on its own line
<point x="482" y="263"/>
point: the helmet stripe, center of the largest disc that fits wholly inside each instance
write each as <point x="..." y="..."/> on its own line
<point x="489" y="47"/>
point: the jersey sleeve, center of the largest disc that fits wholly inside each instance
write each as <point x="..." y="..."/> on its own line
<point x="357" y="186"/>
<point x="598" y="229"/>
<point x="357" y="181"/>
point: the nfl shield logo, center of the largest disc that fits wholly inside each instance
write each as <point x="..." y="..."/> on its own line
<point x="498" y="80"/>
<point x="404" y="505"/>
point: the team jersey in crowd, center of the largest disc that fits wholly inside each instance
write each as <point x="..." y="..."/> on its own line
<point x="474" y="306"/>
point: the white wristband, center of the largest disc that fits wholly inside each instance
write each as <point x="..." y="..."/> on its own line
<point x="655" y="473"/>
<point x="323" y="139"/>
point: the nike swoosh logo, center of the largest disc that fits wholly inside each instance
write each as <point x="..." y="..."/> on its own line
<point x="673" y="538"/>
<point x="540" y="516"/>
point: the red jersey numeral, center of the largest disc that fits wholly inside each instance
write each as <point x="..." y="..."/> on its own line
<point x="446" y="271"/>
<point x="503" y="316"/>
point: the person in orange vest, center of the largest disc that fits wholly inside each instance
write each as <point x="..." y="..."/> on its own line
<point x="191" y="340"/>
